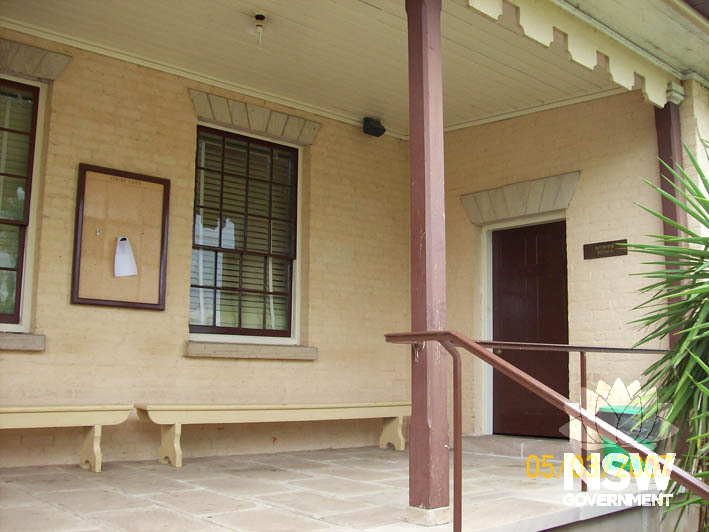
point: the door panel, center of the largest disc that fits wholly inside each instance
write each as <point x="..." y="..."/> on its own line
<point x="530" y="305"/>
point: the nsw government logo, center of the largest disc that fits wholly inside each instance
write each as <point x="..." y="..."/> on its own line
<point x="619" y="478"/>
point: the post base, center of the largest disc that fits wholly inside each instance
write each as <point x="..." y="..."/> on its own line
<point x="428" y="516"/>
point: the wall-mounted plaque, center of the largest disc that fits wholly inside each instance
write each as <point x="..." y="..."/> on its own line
<point x="120" y="239"/>
<point x="600" y="250"/>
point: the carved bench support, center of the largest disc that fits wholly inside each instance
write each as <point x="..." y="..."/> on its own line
<point x="393" y="433"/>
<point x="90" y="456"/>
<point x="170" y="449"/>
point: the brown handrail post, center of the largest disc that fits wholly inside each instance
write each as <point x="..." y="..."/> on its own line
<point x="457" y="438"/>
<point x="583" y="399"/>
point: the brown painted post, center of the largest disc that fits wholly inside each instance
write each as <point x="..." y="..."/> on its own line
<point x="669" y="148"/>
<point x="428" y="462"/>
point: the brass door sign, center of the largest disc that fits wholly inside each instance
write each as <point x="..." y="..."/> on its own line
<point x="601" y="250"/>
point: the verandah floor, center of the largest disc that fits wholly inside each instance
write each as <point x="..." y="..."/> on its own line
<point x="328" y="490"/>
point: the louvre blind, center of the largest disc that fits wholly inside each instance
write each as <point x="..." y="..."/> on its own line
<point x="18" y="117"/>
<point x="244" y="235"/>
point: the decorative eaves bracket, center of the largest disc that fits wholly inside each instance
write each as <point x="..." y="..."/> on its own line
<point x="30" y="61"/>
<point x="540" y="196"/>
<point x="252" y="118"/>
<point x="584" y="43"/>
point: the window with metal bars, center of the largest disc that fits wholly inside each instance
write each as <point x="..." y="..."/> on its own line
<point x="18" y="123"/>
<point x="244" y="235"/>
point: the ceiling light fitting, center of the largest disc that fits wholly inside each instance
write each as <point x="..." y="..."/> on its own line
<point x="259" y="27"/>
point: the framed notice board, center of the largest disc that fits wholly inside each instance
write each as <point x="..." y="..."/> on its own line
<point x="118" y="211"/>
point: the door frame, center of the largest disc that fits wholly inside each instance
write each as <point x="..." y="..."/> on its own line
<point x="487" y="299"/>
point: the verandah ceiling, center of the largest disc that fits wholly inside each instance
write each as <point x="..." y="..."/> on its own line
<point x="340" y="58"/>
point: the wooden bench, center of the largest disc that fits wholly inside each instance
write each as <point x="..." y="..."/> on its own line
<point x="172" y="417"/>
<point x="90" y="417"/>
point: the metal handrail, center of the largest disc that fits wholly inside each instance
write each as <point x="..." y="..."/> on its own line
<point x="451" y="340"/>
<point x="522" y="346"/>
<point x="582" y="350"/>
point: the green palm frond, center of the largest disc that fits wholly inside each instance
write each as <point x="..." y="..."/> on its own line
<point x="678" y="304"/>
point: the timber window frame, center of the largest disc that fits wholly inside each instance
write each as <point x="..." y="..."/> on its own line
<point x="245" y="227"/>
<point x="18" y="319"/>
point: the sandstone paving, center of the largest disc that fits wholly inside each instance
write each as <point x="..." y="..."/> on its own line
<point x="84" y="501"/>
<point x="336" y="490"/>
<point x="201" y="502"/>
<point x="269" y="520"/>
<point x="314" y="504"/>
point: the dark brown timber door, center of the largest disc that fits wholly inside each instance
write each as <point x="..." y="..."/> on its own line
<point x="530" y="305"/>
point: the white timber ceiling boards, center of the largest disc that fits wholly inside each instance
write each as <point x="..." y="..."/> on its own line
<point x="31" y="62"/>
<point x="549" y="194"/>
<point x="678" y="36"/>
<point x="347" y="59"/>
<point x="253" y="118"/>
<point x="542" y="21"/>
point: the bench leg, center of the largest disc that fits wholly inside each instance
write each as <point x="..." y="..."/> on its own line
<point x="393" y="433"/>
<point x="170" y="450"/>
<point x="90" y="454"/>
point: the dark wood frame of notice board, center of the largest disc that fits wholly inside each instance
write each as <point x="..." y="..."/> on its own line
<point x="78" y="229"/>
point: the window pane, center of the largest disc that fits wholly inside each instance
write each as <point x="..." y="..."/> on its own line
<point x="234" y="194"/>
<point x="277" y="312"/>
<point x="206" y="231"/>
<point x="8" y="282"/>
<point x="202" y="271"/>
<point x="235" y="157"/>
<point x="259" y="162"/>
<point x="201" y="306"/>
<point x="278" y="272"/>
<point x="258" y="197"/>
<point x="282" y="206"/>
<point x="233" y="231"/>
<point x="282" y="238"/>
<point x="257" y="239"/>
<point x="16" y="107"/>
<point x="12" y="198"/>
<point x="228" y="269"/>
<point x="208" y="188"/>
<point x="9" y="245"/>
<point x="227" y="309"/>
<point x="252" y="277"/>
<point x="241" y="186"/>
<point x="209" y="151"/>
<point x="252" y="311"/>
<point x="283" y="167"/>
<point x="14" y="150"/>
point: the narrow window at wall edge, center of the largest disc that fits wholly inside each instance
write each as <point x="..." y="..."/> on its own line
<point x="18" y="126"/>
<point x="244" y="235"/>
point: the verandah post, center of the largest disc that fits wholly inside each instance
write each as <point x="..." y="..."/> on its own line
<point x="428" y="461"/>
<point x="669" y="151"/>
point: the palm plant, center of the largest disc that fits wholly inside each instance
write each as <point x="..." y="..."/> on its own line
<point x="678" y="305"/>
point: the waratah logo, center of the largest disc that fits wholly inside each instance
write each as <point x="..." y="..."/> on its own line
<point x="632" y="411"/>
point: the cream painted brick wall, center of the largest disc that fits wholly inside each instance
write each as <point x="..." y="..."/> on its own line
<point x="355" y="244"/>
<point x="612" y="142"/>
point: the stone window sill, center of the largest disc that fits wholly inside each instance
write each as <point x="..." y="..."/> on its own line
<point x="10" y="341"/>
<point x="250" y="351"/>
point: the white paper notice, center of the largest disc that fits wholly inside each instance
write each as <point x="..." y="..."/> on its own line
<point x="124" y="263"/>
